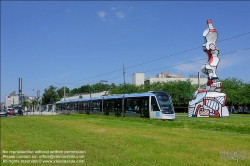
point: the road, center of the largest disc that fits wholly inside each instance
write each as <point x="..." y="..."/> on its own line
<point x="36" y="113"/>
<point x="40" y="113"/>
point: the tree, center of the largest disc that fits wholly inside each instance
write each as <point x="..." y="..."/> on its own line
<point x="84" y="89"/>
<point x="33" y="103"/>
<point x="112" y="86"/>
<point x="232" y="87"/>
<point x="25" y="103"/>
<point x="60" y="91"/>
<point x="131" y="88"/>
<point x="245" y="95"/>
<point x="156" y="86"/>
<point x="98" y="87"/>
<point x="73" y="92"/>
<point x="180" y="91"/>
<point x="120" y="89"/>
<point x="50" y="92"/>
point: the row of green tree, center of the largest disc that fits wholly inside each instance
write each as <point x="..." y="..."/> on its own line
<point x="58" y="93"/>
<point x="31" y="105"/>
<point x="237" y="91"/>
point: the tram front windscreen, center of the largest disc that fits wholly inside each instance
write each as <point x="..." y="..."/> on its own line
<point x="165" y="104"/>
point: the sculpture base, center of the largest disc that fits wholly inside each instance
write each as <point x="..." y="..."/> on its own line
<point x="208" y="104"/>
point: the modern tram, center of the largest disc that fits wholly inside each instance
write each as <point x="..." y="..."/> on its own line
<point x="153" y="105"/>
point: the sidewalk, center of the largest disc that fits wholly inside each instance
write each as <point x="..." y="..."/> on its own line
<point x="39" y="113"/>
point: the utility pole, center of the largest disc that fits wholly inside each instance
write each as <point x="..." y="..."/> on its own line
<point x="38" y="100"/>
<point x="198" y="80"/>
<point x="124" y="79"/>
<point x="104" y="94"/>
<point x="20" y="90"/>
<point x="90" y="104"/>
<point x="123" y="102"/>
<point x="106" y="89"/>
<point x="64" y="111"/>
<point x="64" y="93"/>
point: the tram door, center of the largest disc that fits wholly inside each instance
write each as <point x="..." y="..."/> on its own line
<point x="155" y="112"/>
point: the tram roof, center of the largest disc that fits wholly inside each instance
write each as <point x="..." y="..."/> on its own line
<point x="129" y="95"/>
<point x="139" y="94"/>
<point x="117" y="96"/>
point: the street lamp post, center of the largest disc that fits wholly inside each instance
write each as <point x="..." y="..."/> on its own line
<point x="90" y="104"/>
<point x="123" y="102"/>
<point x="105" y="92"/>
<point x="38" y="101"/>
<point x="51" y="101"/>
<point x="33" y="103"/>
<point x="106" y="89"/>
<point x="64" y="93"/>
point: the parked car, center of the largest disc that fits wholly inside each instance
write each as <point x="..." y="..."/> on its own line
<point x="3" y="112"/>
<point x="19" y="112"/>
<point x="10" y="111"/>
<point x="15" y="111"/>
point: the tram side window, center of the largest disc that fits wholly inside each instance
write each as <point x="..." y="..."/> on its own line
<point x="85" y="105"/>
<point x="154" y="105"/>
<point x="67" y="106"/>
<point x="138" y="104"/>
<point x="129" y="105"/>
<point x="74" y="106"/>
<point x="64" y="106"/>
<point x="145" y="103"/>
<point x="145" y="107"/>
<point x="118" y="107"/>
<point x="111" y="105"/>
<point x="58" y="107"/>
<point x="80" y="106"/>
<point x="97" y="106"/>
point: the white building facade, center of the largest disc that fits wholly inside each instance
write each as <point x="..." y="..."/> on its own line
<point x="193" y="80"/>
<point x="139" y="79"/>
<point x="11" y="99"/>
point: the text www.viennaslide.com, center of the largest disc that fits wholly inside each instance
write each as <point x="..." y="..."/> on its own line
<point x="44" y="161"/>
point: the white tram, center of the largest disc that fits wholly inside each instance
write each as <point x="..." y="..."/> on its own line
<point x="153" y="105"/>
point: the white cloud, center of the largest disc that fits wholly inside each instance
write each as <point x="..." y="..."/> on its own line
<point x="189" y="67"/>
<point x="226" y="61"/>
<point x="113" y="8"/>
<point x="120" y="14"/>
<point x="65" y="74"/>
<point x="68" y="10"/>
<point x="102" y="15"/>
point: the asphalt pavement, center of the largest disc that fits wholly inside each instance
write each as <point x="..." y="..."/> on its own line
<point x="39" y="113"/>
<point x="36" y="113"/>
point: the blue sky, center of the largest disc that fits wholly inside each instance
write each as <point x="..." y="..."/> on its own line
<point x="65" y="43"/>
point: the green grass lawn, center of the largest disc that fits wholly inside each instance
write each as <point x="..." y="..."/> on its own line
<point x="127" y="141"/>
